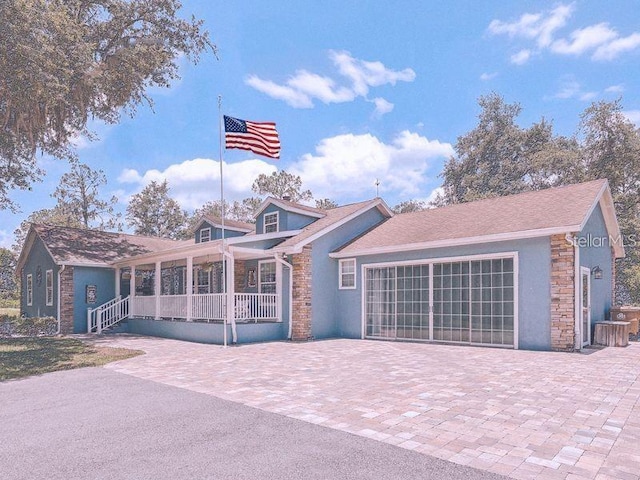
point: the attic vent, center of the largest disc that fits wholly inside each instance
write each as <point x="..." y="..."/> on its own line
<point x="287" y="198"/>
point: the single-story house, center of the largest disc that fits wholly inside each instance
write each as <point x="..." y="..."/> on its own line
<point x="531" y="271"/>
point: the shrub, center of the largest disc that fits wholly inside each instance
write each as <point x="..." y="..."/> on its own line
<point x="27" y="327"/>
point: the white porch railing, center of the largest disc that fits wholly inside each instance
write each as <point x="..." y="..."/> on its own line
<point x="249" y="307"/>
<point x="107" y="315"/>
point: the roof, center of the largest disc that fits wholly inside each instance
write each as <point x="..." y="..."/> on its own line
<point x="332" y="218"/>
<point x="228" y="224"/>
<point x="544" y="212"/>
<point x="74" y="246"/>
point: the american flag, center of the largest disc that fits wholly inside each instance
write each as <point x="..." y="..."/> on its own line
<point x="259" y="137"/>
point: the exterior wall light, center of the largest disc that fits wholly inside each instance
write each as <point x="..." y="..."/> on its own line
<point x="597" y="272"/>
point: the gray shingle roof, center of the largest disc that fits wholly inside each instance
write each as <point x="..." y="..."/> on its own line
<point x="544" y="209"/>
<point x="93" y="247"/>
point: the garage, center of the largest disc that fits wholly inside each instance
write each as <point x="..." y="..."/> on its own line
<point x="468" y="300"/>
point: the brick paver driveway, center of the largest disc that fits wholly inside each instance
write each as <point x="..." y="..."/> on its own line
<point x="523" y="414"/>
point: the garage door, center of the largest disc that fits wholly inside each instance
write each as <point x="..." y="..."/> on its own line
<point x="469" y="301"/>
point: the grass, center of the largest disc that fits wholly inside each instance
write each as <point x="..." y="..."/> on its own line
<point x="23" y="357"/>
<point x="9" y="312"/>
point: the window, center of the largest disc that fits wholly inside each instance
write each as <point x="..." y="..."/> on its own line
<point x="270" y="222"/>
<point x="49" y="286"/>
<point x="30" y="289"/>
<point x="205" y="235"/>
<point x="347" y="273"/>
<point x="267" y="278"/>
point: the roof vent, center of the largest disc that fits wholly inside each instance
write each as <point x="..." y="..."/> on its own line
<point x="287" y="198"/>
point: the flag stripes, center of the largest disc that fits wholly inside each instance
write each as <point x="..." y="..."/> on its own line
<point x="260" y="138"/>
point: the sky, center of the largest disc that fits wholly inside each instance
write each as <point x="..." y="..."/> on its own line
<point x="361" y="92"/>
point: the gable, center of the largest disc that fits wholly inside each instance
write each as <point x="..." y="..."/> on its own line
<point x="213" y="231"/>
<point x="285" y="219"/>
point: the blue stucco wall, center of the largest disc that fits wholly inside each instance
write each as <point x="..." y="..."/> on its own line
<point x="39" y="257"/>
<point x="534" y="257"/>
<point x="326" y="314"/>
<point x="286" y="220"/>
<point x="595" y="250"/>
<point x="207" y="332"/>
<point x="216" y="233"/>
<point x="103" y="279"/>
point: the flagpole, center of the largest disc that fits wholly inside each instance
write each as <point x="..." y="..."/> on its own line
<point x="224" y="260"/>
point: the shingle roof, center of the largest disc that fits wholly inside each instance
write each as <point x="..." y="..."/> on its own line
<point x="544" y="209"/>
<point x="332" y="216"/>
<point x="92" y="247"/>
<point x="231" y="224"/>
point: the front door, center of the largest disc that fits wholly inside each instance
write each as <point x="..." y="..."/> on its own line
<point x="585" y="307"/>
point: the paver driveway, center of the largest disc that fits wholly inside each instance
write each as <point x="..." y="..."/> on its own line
<point x="519" y="413"/>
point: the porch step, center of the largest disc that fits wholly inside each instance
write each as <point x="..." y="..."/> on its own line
<point x="120" y="327"/>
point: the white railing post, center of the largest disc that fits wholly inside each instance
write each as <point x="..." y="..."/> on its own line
<point x="89" y="326"/>
<point x="99" y="320"/>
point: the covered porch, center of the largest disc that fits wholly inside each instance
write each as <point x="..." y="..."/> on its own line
<point x="201" y="293"/>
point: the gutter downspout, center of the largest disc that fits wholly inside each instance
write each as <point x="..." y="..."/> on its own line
<point x="62" y="268"/>
<point x="283" y="262"/>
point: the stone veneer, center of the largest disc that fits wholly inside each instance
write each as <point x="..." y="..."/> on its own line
<point x="562" y="294"/>
<point x="66" y="300"/>
<point x="301" y="315"/>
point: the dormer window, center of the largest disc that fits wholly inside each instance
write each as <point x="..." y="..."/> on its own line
<point x="205" y="235"/>
<point x="271" y="222"/>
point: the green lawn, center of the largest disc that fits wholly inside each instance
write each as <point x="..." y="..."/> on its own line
<point x="22" y="357"/>
<point x="9" y="312"/>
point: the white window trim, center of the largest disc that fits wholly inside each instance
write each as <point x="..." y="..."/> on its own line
<point x="208" y="230"/>
<point x="276" y="223"/>
<point x="48" y="276"/>
<point x="275" y="282"/>
<point x="341" y="274"/>
<point x="29" y="289"/>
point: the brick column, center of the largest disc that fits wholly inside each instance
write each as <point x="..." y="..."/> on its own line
<point x="301" y="314"/>
<point x="239" y="278"/>
<point x="66" y="301"/>
<point x="562" y="294"/>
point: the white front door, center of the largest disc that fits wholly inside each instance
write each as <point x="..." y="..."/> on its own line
<point x="585" y="306"/>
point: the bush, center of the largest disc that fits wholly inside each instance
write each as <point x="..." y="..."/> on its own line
<point x="27" y="327"/>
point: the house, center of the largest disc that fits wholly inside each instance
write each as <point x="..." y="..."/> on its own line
<point x="531" y="271"/>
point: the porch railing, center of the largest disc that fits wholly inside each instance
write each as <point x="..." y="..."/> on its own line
<point x="107" y="315"/>
<point x="248" y="307"/>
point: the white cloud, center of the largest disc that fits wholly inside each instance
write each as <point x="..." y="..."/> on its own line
<point x="617" y="46"/>
<point x="488" y="76"/>
<point x="600" y="40"/>
<point x="537" y="26"/>
<point x="584" y="39"/>
<point x="633" y="116"/>
<point x="195" y="182"/>
<point x="6" y="239"/>
<point x="382" y="107"/>
<point x="521" y="57"/>
<point x="293" y="97"/>
<point x="615" y="89"/>
<point x="401" y="166"/>
<point x="571" y="88"/>
<point x="301" y="89"/>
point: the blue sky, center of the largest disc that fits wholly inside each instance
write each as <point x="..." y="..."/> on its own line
<point x="359" y="91"/>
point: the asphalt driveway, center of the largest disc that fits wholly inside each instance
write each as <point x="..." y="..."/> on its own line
<point x="519" y="413"/>
<point x="95" y="423"/>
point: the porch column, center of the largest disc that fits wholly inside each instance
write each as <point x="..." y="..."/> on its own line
<point x="230" y="295"/>
<point x="132" y="283"/>
<point x="117" y="281"/>
<point x="189" y="287"/>
<point x="157" y="280"/>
